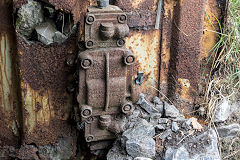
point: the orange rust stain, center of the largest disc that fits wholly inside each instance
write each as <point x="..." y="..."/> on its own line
<point x="210" y="37"/>
<point x="184" y="89"/>
<point x="145" y="46"/>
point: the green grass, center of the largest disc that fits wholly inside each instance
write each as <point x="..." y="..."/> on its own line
<point x="225" y="71"/>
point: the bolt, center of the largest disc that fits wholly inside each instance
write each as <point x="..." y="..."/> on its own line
<point x="123" y="18"/>
<point x="130" y="59"/>
<point x="127" y="107"/>
<point x="120" y="42"/>
<point x="89" y="138"/>
<point x="89" y="43"/>
<point x="86" y="112"/>
<point x="90" y="19"/>
<point x="86" y="63"/>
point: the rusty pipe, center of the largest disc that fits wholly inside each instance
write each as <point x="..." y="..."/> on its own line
<point x="102" y="3"/>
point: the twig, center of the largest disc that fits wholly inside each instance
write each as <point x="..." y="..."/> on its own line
<point x="234" y="153"/>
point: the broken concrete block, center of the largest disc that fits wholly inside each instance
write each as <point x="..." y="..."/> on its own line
<point x="177" y="154"/>
<point x="141" y="147"/>
<point x="29" y="16"/>
<point x="163" y="120"/>
<point x="154" y="118"/>
<point x="147" y="106"/>
<point x="165" y="134"/>
<point x="59" y="37"/>
<point x="171" y="111"/>
<point x="160" y="127"/>
<point x="118" y="153"/>
<point x="141" y="129"/>
<point x="158" y="104"/>
<point x="229" y="131"/>
<point x="223" y="111"/>
<point x="45" y="32"/>
<point x="175" y="127"/>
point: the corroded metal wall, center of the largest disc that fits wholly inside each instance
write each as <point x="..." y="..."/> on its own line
<point x="172" y="59"/>
<point x="9" y="104"/>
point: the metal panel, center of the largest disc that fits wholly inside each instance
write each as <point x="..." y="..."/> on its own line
<point x="9" y="105"/>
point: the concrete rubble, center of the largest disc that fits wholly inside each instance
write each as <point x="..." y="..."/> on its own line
<point x="159" y="131"/>
<point x="38" y="21"/>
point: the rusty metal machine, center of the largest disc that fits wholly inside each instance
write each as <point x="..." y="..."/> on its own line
<point x="105" y="74"/>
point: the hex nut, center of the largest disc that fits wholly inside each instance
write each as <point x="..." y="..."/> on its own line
<point x="89" y="44"/>
<point x="122" y="18"/>
<point x="127" y="108"/>
<point x="90" y="19"/>
<point x="129" y="60"/>
<point x="120" y="42"/>
<point x="89" y="138"/>
<point x="86" y="63"/>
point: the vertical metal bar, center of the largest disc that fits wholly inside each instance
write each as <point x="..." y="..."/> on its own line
<point x="107" y="81"/>
<point x="159" y="11"/>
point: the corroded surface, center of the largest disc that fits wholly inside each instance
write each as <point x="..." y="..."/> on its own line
<point x="44" y="79"/>
<point x="9" y="106"/>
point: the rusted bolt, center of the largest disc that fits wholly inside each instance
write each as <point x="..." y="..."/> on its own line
<point x="89" y="44"/>
<point x="89" y="138"/>
<point x="127" y="108"/>
<point x="105" y="121"/>
<point x="86" y="63"/>
<point x="90" y="19"/>
<point x="86" y="112"/>
<point x="130" y="60"/>
<point x="122" y="18"/>
<point x="120" y="42"/>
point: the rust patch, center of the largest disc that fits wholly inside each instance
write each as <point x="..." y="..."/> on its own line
<point x="44" y="69"/>
<point x="27" y="152"/>
<point x="181" y="49"/>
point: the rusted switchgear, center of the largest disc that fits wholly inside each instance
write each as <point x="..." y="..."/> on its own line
<point x="106" y="86"/>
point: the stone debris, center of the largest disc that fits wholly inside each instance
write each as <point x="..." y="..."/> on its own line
<point x="118" y="153"/>
<point x="141" y="146"/>
<point x="45" y="21"/>
<point x="229" y="131"/>
<point x="223" y="110"/>
<point x="147" y="106"/>
<point x="165" y="135"/>
<point x="29" y="16"/>
<point x="175" y="127"/>
<point x="171" y="111"/>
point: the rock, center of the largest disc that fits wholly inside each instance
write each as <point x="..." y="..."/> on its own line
<point x="187" y="124"/>
<point x="171" y="111"/>
<point x="141" y="129"/>
<point x="45" y="32"/>
<point x="147" y="106"/>
<point x="165" y="134"/>
<point x="142" y="158"/>
<point x="154" y="118"/>
<point x="223" y="111"/>
<point x="117" y="153"/>
<point x="64" y="149"/>
<point x="228" y="131"/>
<point x="141" y="147"/>
<point x="203" y="146"/>
<point x="29" y="16"/>
<point x="59" y="37"/>
<point x="177" y="154"/>
<point x="158" y="104"/>
<point x="175" y="127"/>
<point x="163" y="120"/>
<point x="135" y="114"/>
<point x="160" y="127"/>
<point x="192" y="123"/>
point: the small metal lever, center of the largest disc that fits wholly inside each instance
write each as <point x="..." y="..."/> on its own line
<point x="139" y="77"/>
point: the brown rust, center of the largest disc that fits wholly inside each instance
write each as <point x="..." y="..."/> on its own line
<point x="9" y="105"/>
<point x="45" y="76"/>
<point x="181" y="49"/>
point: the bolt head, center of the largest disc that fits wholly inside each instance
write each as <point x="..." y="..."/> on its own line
<point x="120" y="42"/>
<point x="86" y="112"/>
<point x="89" y="43"/>
<point x="127" y="107"/>
<point x="130" y="59"/>
<point x="89" y="138"/>
<point x="122" y="18"/>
